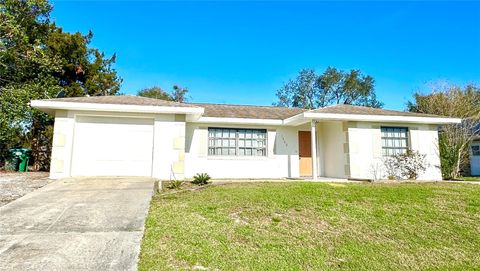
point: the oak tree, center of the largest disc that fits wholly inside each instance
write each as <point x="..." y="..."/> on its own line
<point x="333" y="86"/>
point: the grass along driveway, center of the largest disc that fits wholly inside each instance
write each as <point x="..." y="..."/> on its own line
<point x="314" y="226"/>
<point x="470" y="179"/>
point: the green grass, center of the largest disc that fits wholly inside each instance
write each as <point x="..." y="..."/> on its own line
<point x="470" y="179"/>
<point x="315" y="226"/>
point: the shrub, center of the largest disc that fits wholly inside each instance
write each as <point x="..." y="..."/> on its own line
<point x="407" y="165"/>
<point x="414" y="164"/>
<point x="391" y="167"/>
<point x="201" y="179"/>
<point x="175" y="184"/>
<point x="449" y="156"/>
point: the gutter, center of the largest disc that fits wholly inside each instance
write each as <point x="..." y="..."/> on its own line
<point x="369" y="118"/>
<point x="49" y="106"/>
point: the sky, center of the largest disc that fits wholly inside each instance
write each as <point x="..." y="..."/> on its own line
<point x="242" y="52"/>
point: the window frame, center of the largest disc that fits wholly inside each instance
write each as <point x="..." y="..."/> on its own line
<point x="475" y="152"/>
<point x="387" y="149"/>
<point x="237" y="139"/>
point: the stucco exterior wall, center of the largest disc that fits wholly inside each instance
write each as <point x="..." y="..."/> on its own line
<point x="331" y="141"/>
<point x="365" y="149"/>
<point x="169" y="147"/>
<point x="62" y="145"/>
<point x="281" y="160"/>
<point x="424" y="139"/>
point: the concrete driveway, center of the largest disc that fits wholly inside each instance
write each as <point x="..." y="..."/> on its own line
<point x="76" y="224"/>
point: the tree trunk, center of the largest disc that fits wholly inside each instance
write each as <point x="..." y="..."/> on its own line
<point x="41" y="142"/>
<point x="458" y="165"/>
<point x="456" y="173"/>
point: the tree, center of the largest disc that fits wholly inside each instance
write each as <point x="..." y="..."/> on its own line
<point x="37" y="61"/>
<point x="154" y="92"/>
<point x="455" y="139"/>
<point x="83" y="70"/>
<point x="178" y="93"/>
<point x="25" y="68"/>
<point x="24" y="26"/>
<point x="333" y="86"/>
<point x="300" y="92"/>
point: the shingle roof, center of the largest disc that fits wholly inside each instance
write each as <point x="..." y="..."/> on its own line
<point x="241" y="111"/>
<point x="362" y="110"/>
<point x="121" y="99"/>
<point x="248" y="111"/>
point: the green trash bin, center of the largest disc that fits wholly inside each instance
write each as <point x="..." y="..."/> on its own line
<point x="19" y="158"/>
<point x="24" y="158"/>
<point x="13" y="161"/>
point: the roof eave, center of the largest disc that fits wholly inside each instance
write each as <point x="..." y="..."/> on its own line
<point x="380" y="118"/>
<point x="250" y="121"/>
<point x="51" y="106"/>
<point x="296" y="120"/>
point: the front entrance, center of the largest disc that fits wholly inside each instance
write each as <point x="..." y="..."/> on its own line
<point x="305" y="153"/>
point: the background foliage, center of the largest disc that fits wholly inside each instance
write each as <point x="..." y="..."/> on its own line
<point x="455" y="139"/>
<point x="37" y="61"/>
<point x="178" y="94"/>
<point x="333" y="86"/>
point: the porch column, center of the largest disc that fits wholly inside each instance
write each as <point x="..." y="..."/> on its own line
<point x="314" y="149"/>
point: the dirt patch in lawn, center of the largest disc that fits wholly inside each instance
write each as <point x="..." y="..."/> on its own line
<point x="14" y="185"/>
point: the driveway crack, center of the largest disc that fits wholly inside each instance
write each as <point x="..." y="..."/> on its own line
<point x="58" y="218"/>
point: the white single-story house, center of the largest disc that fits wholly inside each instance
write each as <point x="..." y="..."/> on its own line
<point x="137" y="136"/>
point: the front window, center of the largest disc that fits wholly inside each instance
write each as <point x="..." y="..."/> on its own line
<point x="394" y="140"/>
<point x="237" y="142"/>
<point x="476" y="150"/>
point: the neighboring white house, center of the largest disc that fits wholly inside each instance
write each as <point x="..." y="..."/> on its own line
<point x="475" y="157"/>
<point x="136" y="136"/>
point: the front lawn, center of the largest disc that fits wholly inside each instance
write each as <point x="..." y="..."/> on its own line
<point x="315" y="226"/>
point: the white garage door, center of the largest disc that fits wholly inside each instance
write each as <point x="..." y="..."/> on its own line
<point x="107" y="146"/>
